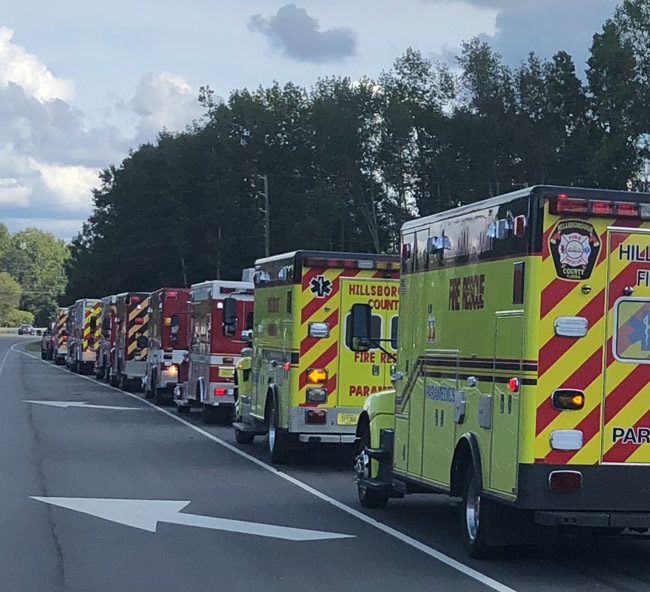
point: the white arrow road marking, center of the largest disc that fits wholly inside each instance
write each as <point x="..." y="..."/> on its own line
<point x="66" y="404"/>
<point x="146" y="514"/>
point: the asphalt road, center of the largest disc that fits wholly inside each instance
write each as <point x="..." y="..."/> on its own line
<point x="139" y="452"/>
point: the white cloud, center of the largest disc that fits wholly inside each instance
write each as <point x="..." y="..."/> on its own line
<point x="164" y="101"/>
<point x="68" y="186"/>
<point x="20" y="67"/>
<point x="50" y="156"/>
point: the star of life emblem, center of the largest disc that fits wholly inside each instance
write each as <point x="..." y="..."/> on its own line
<point x="321" y="287"/>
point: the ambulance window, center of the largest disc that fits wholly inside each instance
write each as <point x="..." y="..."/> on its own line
<point x="631" y="343"/>
<point x="394" y="324"/>
<point x="408" y="252"/>
<point x="289" y="302"/>
<point x="250" y="320"/>
<point x="422" y="256"/>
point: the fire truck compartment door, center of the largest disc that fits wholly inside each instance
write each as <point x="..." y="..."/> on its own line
<point x="626" y="407"/>
<point x="504" y="454"/>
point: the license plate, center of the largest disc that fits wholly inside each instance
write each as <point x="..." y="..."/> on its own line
<point x="227" y="372"/>
<point x="347" y="419"/>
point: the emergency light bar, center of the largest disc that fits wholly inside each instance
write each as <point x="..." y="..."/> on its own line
<point x="351" y="263"/>
<point x="565" y="204"/>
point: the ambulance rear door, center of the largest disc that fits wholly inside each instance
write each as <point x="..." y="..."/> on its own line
<point x="626" y="408"/>
<point x="362" y="373"/>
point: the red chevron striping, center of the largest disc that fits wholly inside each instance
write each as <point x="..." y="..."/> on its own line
<point x="625" y="392"/>
<point x="557" y="346"/>
<point x="620" y="452"/>
<point x="580" y="379"/>
<point x="308" y="342"/>
<point x="554" y="293"/>
<point x="559" y="289"/>
<point x="309" y="275"/>
<point x="589" y="426"/>
<point x="322" y="362"/>
<point x="316" y="304"/>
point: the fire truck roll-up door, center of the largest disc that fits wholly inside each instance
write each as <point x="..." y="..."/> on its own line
<point x="626" y="407"/>
<point x="362" y="373"/>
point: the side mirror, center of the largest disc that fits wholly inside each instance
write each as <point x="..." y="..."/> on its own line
<point x="360" y="323"/>
<point x="229" y="316"/>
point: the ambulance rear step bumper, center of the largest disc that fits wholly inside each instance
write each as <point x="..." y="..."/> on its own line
<point x="327" y="438"/>
<point x="248" y="428"/>
<point x="594" y="519"/>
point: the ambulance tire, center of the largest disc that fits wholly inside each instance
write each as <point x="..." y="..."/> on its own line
<point x="182" y="409"/>
<point x="114" y="380"/>
<point x="477" y="518"/>
<point x="277" y="438"/>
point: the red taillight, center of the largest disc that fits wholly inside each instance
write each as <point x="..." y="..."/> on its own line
<point x="138" y="321"/>
<point x="602" y="208"/>
<point x="513" y="385"/>
<point x="569" y="205"/>
<point x="171" y="295"/>
<point x="64" y="338"/>
<point x="565" y="481"/>
<point x="316" y="416"/>
<point x="627" y="210"/>
<point x="134" y="300"/>
<point x="286" y="366"/>
<point x="219" y="392"/>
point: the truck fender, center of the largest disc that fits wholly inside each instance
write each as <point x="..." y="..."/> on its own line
<point x="467" y="452"/>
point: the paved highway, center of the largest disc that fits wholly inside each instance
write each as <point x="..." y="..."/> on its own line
<point x="104" y="492"/>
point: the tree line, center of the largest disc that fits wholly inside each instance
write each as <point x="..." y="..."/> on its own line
<point x="32" y="276"/>
<point x="348" y="161"/>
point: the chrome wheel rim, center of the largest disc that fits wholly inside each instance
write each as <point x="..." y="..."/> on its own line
<point x="472" y="510"/>
<point x="272" y="433"/>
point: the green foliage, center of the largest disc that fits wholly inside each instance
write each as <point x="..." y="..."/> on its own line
<point x="19" y="317"/>
<point x="9" y="297"/>
<point x="349" y="161"/>
<point x="36" y="260"/>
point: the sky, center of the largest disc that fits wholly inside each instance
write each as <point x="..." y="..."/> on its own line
<point x="81" y="83"/>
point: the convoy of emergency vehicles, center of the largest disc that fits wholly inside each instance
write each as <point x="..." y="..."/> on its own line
<point x="519" y="383"/>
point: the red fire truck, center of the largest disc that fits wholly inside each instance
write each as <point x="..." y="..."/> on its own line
<point x="168" y="341"/>
<point x="221" y="311"/>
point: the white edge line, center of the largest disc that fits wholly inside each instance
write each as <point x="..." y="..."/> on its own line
<point x="439" y="556"/>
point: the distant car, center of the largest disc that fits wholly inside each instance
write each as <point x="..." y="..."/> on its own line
<point x="25" y="330"/>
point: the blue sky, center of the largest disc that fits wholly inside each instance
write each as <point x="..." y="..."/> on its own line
<point x="82" y="82"/>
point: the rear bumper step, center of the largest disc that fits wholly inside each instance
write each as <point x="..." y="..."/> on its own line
<point x="594" y="519"/>
<point x="248" y="429"/>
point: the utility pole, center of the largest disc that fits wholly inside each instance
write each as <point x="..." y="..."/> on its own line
<point x="267" y="217"/>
